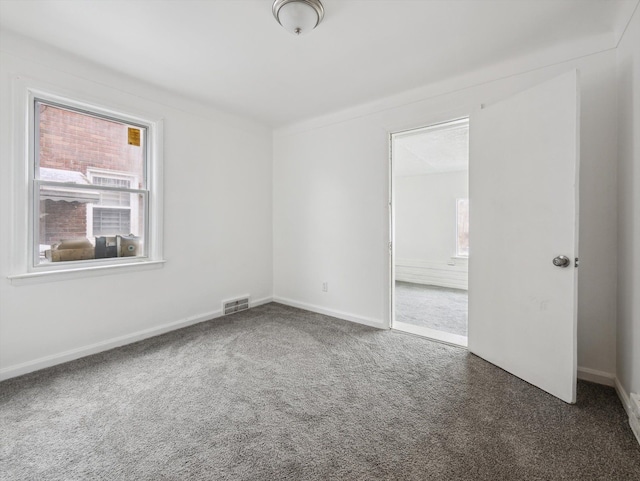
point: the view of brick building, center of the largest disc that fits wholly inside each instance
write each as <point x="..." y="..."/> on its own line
<point x="82" y="149"/>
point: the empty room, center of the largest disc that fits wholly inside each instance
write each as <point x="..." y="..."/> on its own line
<point x="319" y="240"/>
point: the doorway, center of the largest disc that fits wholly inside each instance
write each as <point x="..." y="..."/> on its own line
<point x="430" y="231"/>
<point x="524" y="182"/>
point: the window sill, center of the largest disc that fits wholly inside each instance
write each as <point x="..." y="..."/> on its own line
<point x="84" y="271"/>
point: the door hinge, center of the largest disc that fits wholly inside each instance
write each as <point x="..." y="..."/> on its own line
<point x="390" y="246"/>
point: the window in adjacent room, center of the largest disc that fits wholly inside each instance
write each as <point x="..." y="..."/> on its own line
<point x="462" y="227"/>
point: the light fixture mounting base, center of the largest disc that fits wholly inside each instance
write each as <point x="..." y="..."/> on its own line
<point x="315" y="4"/>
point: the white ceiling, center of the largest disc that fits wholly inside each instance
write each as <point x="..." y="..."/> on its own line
<point x="232" y="54"/>
<point x="432" y="150"/>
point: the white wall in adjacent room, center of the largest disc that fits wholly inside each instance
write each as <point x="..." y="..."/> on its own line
<point x="425" y="209"/>
<point x="425" y="228"/>
<point x="217" y="222"/>
<point x="331" y="182"/>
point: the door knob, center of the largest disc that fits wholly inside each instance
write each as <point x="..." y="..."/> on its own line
<point x="561" y="261"/>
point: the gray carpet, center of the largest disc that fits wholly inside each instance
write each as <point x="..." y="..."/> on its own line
<point x="439" y="308"/>
<point x="280" y="393"/>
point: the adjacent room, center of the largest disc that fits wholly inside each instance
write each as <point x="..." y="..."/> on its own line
<point x="431" y="230"/>
<point x="319" y="240"/>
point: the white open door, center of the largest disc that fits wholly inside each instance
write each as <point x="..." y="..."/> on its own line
<point x="523" y="177"/>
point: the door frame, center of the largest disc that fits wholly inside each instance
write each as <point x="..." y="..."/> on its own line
<point x="424" y="123"/>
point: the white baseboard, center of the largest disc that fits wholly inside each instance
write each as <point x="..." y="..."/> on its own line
<point x="66" y="356"/>
<point x="260" y="302"/>
<point x="333" y="313"/>
<point x="599" y="377"/>
<point x="634" y="418"/>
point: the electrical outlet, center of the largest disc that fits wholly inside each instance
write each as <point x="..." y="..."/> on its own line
<point x="325" y="286"/>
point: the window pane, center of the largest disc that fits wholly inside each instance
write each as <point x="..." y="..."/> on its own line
<point x="74" y="142"/>
<point x="74" y="218"/>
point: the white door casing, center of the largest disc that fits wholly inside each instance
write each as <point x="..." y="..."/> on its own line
<point x="523" y="181"/>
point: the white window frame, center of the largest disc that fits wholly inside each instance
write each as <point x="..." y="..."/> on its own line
<point x="25" y="267"/>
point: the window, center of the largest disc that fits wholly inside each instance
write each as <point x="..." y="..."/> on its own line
<point x="462" y="227"/>
<point x="72" y="156"/>
<point x="93" y="196"/>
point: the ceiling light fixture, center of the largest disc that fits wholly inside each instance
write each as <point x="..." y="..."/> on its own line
<point x="298" y="16"/>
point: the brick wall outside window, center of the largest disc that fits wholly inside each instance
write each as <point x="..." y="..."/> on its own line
<point x="62" y="220"/>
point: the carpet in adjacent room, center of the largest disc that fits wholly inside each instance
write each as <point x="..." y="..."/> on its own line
<point x="440" y="308"/>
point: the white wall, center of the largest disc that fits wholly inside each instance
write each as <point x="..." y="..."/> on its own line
<point x="217" y="223"/>
<point x="425" y="228"/>
<point x="330" y="198"/>
<point x="628" y="52"/>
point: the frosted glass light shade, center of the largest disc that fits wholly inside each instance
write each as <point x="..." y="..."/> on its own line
<point x="298" y="16"/>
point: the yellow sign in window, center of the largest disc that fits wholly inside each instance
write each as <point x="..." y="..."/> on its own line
<point x="134" y="137"/>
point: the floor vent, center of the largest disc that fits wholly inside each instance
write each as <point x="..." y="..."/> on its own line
<point x="235" y="305"/>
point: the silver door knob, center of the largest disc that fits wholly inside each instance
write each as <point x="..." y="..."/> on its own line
<point x="561" y="261"/>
